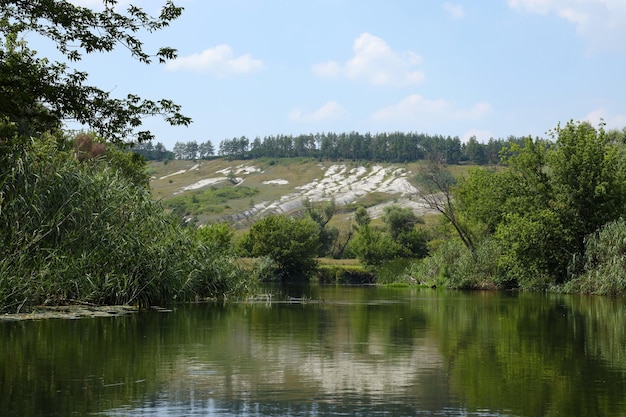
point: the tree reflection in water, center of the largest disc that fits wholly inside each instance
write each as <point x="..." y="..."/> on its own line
<point x="347" y="351"/>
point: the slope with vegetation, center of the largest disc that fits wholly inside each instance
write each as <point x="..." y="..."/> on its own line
<point x="548" y="217"/>
<point x="242" y="191"/>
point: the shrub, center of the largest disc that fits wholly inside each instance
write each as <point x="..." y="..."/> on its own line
<point x="374" y="247"/>
<point x="292" y="244"/>
<point x="219" y="236"/>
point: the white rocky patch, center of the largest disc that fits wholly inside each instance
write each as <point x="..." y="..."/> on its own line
<point x="276" y="182"/>
<point x="239" y="170"/>
<point x="345" y="186"/>
<point x="182" y="171"/>
<point x="201" y="183"/>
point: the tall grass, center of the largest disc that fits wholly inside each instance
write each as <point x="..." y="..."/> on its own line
<point x="454" y="266"/>
<point x="75" y="230"/>
<point x="604" y="262"/>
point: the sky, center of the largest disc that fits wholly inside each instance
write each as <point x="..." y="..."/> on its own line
<point x="489" y="68"/>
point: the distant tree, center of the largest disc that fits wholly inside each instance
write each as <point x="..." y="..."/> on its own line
<point x="179" y="150"/>
<point x="476" y="152"/>
<point x="151" y="152"/>
<point x="206" y="150"/>
<point x="191" y="150"/>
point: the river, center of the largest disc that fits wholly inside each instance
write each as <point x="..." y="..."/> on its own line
<point x="327" y="351"/>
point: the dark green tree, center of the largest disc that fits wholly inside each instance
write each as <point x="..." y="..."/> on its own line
<point x="399" y="238"/>
<point x="38" y="95"/>
<point x="374" y="246"/>
<point x="549" y="200"/>
<point x="588" y="174"/>
<point x="361" y="217"/>
<point x="292" y="244"/>
<point x="476" y="152"/>
<point x="401" y="222"/>
<point x="206" y="150"/>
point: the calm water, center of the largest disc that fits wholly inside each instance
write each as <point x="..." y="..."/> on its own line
<point x="347" y="352"/>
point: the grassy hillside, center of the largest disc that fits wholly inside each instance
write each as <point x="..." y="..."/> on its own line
<point x="242" y="191"/>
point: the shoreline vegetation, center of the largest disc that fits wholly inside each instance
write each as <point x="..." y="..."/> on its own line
<point x="82" y="224"/>
<point x="79" y="221"/>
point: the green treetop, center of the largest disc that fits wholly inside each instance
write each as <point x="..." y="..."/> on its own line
<point x="38" y="95"/>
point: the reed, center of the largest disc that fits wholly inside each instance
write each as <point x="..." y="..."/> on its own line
<point x="80" y="230"/>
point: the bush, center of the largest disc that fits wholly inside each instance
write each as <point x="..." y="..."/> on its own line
<point x="398" y="239"/>
<point x="394" y="272"/>
<point x="453" y="265"/>
<point x="374" y="247"/>
<point x="479" y="269"/>
<point x="440" y="266"/>
<point x="344" y="274"/>
<point x="219" y="236"/>
<point x="291" y="244"/>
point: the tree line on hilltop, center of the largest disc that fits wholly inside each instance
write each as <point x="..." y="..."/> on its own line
<point x="396" y="147"/>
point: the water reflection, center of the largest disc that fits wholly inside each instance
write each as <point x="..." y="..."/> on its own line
<point x="346" y="351"/>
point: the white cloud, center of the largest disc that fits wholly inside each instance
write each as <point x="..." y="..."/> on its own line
<point x="416" y="107"/>
<point x="476" y="112"/>
<point x="455" y="11"/>
<point x="480" y="135"/>
<point x="411" y="107"/>
<point x="533" y="6"/>
<point x="375" y="62"/>
<point x="219" y="61"/>
<point x="331" y="110"/>
<point x="613" y="121"/>
<point x="602" y="23"/>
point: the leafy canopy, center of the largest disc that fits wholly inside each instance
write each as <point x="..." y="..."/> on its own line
<point x="37" y="95"/>
<point x="549" y="200"/>
<point x="399" y="238"/>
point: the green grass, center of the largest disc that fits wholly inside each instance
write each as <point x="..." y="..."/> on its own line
<point x="213" y="200"/>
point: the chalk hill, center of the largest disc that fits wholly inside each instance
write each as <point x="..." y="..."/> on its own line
<point x="282" y="186"/>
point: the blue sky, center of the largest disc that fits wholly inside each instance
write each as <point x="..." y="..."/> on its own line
<point x="491" y="68"/>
